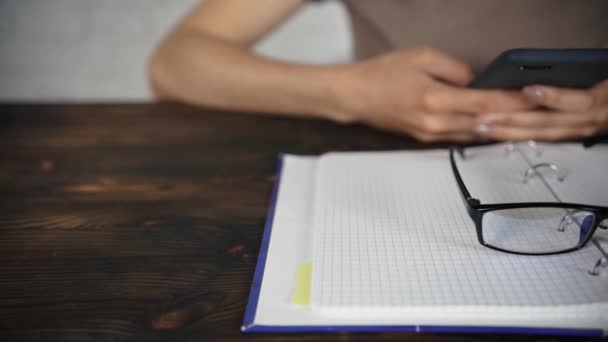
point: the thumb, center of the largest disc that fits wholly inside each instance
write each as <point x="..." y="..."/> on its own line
<point x="443" y="67"/>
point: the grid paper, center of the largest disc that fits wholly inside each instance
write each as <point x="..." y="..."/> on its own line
<point x="391" y="233"/>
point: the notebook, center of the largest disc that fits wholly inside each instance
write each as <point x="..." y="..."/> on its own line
<point x="381" y="241"/>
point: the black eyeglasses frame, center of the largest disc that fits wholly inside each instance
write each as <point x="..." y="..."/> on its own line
<point x="476" y="210"/>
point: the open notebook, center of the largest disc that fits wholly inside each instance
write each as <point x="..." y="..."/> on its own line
<point x="387" y="245"/>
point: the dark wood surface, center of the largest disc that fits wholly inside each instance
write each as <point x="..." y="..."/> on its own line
<point x="143" y="222"/>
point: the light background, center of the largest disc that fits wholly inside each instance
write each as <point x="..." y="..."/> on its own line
<point x="96" y="50"/>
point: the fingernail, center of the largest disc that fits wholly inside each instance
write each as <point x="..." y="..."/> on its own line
<point x="483" y="127"/>
<point x="534" y="93"/>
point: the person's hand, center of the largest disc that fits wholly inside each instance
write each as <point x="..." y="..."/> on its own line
<point x="568" y="113"/>
<point x="419" y="92"/>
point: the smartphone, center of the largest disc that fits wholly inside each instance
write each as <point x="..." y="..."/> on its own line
<point x="567" y="68"/>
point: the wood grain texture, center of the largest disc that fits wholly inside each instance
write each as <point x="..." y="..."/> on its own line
<point x="143" y="222"/>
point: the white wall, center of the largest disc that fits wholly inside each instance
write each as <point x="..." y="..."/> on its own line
<point x="95" y="50"/>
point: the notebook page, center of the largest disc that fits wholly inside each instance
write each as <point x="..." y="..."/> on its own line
<point x="391" y="234"/>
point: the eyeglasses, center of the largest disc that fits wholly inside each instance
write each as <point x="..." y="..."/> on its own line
<point x="531" y="228"/>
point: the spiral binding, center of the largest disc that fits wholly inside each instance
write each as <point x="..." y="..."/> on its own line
<point x="531" y="144"/>
<point x="595" y="271"/>
<point x="533" y="170"/>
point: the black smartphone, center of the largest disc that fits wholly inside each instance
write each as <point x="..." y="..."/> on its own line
<point x="567" y="68"/>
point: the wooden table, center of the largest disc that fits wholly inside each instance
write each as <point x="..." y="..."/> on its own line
<point x="143" y="222"/>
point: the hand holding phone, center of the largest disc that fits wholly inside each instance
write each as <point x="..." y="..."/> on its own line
<point x="569" y="86"/>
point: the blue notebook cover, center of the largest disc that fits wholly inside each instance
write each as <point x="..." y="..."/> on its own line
<point x="249" y="325"/>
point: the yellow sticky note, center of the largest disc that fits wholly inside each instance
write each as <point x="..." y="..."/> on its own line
<point x="301" y="295"/>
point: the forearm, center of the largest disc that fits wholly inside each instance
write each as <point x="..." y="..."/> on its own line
<point x="202" y="70"/>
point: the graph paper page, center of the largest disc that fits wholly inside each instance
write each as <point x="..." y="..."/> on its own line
<point x="391" y="233"/>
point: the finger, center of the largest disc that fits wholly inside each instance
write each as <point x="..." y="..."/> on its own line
<point x="511" y="133"/>
<point x="443" y="123"/>
<point x="415" y="130"/>
<point x="442" y="66"/>
<point x="600" y="93"/>
<point x="563" y="99"/>
<point x="429" y="127"/>
<point x="451" y="99"/>
<point x="539" y="119"/>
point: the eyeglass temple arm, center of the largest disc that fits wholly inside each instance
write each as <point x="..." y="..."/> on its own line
<point x="466" y="195"/>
